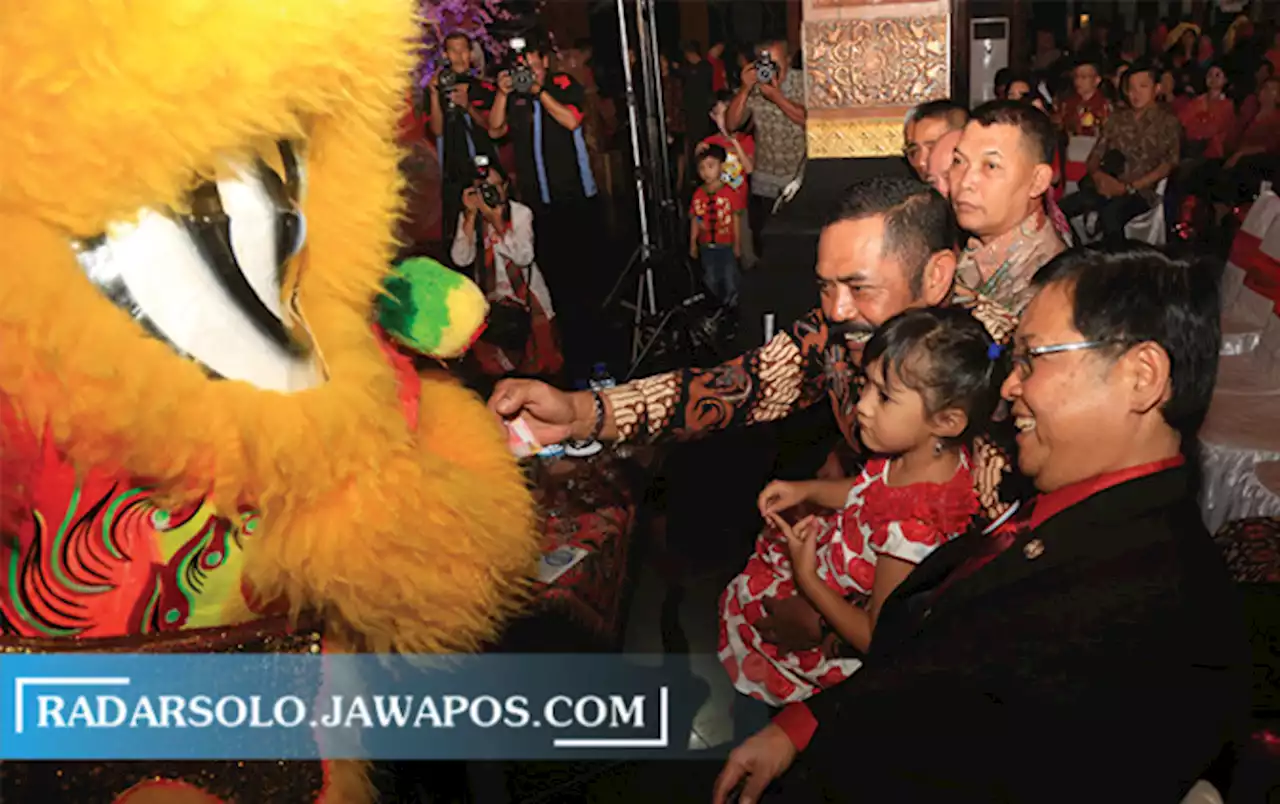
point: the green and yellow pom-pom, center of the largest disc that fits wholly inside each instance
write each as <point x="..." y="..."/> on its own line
<point x="430" y="309"/>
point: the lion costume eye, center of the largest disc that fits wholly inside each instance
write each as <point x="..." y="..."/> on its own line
<point x="219" y="300"/>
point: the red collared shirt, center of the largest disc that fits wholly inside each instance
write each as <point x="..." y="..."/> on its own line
<point x="798" y="721"/>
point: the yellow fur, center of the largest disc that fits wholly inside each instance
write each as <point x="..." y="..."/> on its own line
<point x="413" y="541"/>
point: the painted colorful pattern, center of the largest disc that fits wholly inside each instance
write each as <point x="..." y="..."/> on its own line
<point x="94" y="556"/>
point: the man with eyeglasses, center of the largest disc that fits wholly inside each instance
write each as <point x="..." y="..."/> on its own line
<point x="1092" y="648"/>
<point x="926" y="125"/>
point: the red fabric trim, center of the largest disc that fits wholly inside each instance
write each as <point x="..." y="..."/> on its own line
<point x="798" y="722"/>
<point x="577" y="115"/>
<point x="1055" y="502"/>
<point x="410" y="391"/>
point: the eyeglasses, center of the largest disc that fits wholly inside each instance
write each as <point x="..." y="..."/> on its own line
<point x="1022" y="359"/>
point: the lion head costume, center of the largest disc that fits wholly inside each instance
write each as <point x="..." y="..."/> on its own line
<point x="201" y="428"/>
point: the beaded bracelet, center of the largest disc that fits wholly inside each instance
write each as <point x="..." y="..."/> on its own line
<point x="598" y="399"/>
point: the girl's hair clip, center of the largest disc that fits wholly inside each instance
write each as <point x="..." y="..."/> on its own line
<point x="993" y="351"/>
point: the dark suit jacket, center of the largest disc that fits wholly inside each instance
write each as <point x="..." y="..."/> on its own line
<point x="1110" y="667"/>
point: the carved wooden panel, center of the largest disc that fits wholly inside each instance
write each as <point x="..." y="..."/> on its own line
<point x="876" y="62"/>
<point x="840" y="139"/>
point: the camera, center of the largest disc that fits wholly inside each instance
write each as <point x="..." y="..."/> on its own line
<point x="488" y="193"/>
<point x="522" y="79"/>
<point x="445" y="83"/>
<point x="766" y="67"/>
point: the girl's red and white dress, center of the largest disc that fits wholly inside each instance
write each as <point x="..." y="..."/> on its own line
<point x="906" y="522"/>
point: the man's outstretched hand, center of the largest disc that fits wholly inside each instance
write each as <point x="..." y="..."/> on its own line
<point x="552" y="414"/>
<point x="765" y="756"/>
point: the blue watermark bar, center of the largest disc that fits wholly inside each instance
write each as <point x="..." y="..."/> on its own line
<point x="263" y="706"/>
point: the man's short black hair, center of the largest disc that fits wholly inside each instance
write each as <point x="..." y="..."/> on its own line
<point x="1144" y="65"/>
<point x="1135" y="294"/>
<point x="918" y="221"/>
<point x="1004" y="77"/>
<point x="956" y="114"/>
<point x="1090" y="57"/>
<point x="1034" y="125"/>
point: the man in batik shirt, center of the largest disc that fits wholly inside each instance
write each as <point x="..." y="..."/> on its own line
<point x="1000" y="173"/>
<point x="889" y="247"/>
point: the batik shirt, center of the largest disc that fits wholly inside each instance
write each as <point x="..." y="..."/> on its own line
<point x="796" y="369"/>
<point x="1147" y="140"/>
<point x="1001" y="271"/>
<point x="780" y="142"/>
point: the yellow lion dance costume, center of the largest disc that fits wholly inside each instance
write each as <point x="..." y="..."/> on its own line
<point x="206" y="444"/>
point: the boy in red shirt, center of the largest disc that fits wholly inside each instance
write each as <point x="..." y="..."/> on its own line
<point x="740" y="150"/>
<point x="715" y="235"/>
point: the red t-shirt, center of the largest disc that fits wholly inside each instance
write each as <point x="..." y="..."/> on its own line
<point x="1263" y="132"/>
<point x="732" y="174"/>
<point x="714" y="214"/>
<point x="720" y="78"/>
<point x="1211" y="121"/>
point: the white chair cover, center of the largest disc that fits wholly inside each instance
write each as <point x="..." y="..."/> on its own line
<point x="1234" y="342"/>
<point x="1268" y="474"/>
<point x="1149" y="226"/>
<point x="1232" y="280"/>
<point x="1079" y="147"/>
<point x="1145" y="228"/>
<point x="1244" y="320"/>
<point x="1263" y="214"/>
<point x="1239" y="433"/>
<point x="1271" y="240"/>
<point x="1202" y="793"/>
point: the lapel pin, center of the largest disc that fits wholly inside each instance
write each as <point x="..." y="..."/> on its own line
<point x="1033" y="549"/>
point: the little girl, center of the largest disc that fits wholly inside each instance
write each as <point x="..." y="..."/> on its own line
<point x="932" y="382"/>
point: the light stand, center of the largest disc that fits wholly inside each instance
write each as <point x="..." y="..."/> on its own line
<point x="654" y="193"/>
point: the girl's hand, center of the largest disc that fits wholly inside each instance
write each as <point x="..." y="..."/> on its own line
<point x="802" y="544"/>
<point x="780" y="495"/>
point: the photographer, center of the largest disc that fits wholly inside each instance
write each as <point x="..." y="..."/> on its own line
<point x="772" y="95"/>
<point x="459" y="101"/>
<point x="495" y="237"/>
<point x="542" y="113"/>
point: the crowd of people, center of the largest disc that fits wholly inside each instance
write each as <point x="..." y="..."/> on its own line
<point x="1024" y="581"/>
<point x="1187" y="119"/>
<point x="1017" y="555"/>
<point x="736" y="138"/>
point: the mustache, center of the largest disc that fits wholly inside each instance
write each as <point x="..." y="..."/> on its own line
<point x="847" y="328"/>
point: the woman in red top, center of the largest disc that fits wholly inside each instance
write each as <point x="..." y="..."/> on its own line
<point x="1210" y="118"/>
<point x="1257" y="155"/>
